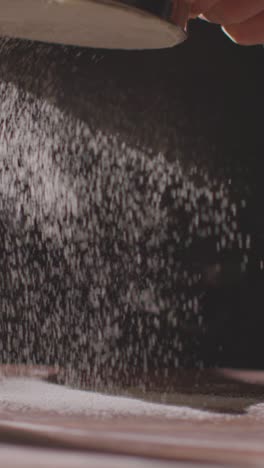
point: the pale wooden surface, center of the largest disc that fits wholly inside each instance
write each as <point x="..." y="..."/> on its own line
<point x="84" y="423"/>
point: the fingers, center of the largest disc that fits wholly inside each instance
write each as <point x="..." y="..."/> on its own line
<point x="201" y="6"/>
<point x="241" y="20"/>
<point x="228" y="12"/>
<point x="250" y="32"/>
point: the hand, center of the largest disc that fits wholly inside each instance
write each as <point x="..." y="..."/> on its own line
<point x="241" y="20"/>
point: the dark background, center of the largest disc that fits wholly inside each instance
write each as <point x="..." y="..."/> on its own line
<point x="200" y="103"/>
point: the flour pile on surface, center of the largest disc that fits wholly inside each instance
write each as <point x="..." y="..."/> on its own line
<point x="25" y="395"/>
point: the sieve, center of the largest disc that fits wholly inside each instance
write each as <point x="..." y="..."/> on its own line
<point x="122" y="24"/>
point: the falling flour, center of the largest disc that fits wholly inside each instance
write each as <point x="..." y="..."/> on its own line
<point x="107" y="247"/>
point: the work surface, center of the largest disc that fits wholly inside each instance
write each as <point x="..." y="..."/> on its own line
<point x="208" y="418"/>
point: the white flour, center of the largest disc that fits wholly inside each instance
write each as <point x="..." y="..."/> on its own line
<point x="22" y="395"/>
